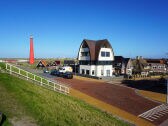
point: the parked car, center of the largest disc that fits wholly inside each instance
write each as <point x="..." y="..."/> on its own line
<point x="45" y="71"/>
<point x="68" y="75"/>
<point x="65" y="69"/>
<point x="55" y="72"/>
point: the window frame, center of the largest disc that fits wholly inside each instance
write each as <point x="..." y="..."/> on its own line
<point x="103" y="52"/>
<point x="108" y="54"/>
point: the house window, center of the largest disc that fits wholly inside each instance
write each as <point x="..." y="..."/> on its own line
<point x="87" y="72"/>
<point x="92" y="72"/>
<point x="83" y="71"/>
<point x="154" y="67"/>
<point x="118" y="64"/>
<point x="103" y="54"/>
<point x="84" y="62"/>
<point x="102" y="73"/>
<point x="107" y="54"/>
<point x="84" y="53"/>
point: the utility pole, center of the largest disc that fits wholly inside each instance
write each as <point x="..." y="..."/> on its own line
<point x="75" y="67"/>
<point x="167" y="80"/>
<point x="167" y="91"/>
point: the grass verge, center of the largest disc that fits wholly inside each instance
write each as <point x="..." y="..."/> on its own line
<point x="153" y="95"/>
<point x="48" y="108"/>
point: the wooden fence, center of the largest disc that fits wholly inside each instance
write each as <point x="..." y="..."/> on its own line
<point x="56" y="86"/>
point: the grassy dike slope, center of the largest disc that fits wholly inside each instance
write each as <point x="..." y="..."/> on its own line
<point x="21" y="98"/>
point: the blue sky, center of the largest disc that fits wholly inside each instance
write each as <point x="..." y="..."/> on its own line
<point x="133" y="27"/>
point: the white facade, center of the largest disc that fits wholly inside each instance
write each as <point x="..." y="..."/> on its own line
<point x="96" y="63"/>
<point x="96" y="70"/>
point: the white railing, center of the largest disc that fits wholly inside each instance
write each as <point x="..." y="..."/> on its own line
<point x="42" y="81"/>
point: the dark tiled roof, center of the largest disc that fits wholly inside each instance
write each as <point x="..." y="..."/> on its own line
<point x="69" y="62"/>
<point x="95" y="46"/>
<point x="126" y="60"/>
<point x="118" y="58"/>
<point x="91" y="45"/>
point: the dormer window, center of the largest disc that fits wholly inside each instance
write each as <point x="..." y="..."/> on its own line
<point x="105" y="54"/>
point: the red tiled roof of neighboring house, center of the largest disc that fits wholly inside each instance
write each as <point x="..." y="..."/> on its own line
<point x="58" y="62"/>
<point x="44" y="62"/>
<point x="155" y="61"/>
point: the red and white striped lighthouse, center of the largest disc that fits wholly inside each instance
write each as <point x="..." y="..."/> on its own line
<point x="31" y="57"/>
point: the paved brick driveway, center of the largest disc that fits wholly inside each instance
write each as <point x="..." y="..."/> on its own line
<point x="119" y="96"/>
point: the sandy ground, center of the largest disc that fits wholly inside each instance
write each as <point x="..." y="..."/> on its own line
<point x="24" y="121"/>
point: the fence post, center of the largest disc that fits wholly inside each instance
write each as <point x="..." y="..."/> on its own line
<point x="27" y="75"/>
<point x="19" y="71"/>
<point x="54" y="86"/>
<point x="41" y="82"/>
<point x="67" y="90"/>
<point x="10" y="69"/>
<point x="34" y="77"/>
<point x="6" y="66"/>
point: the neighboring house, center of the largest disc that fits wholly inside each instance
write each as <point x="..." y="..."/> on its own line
<point x="118" y="65"/>
<point x="157" y="65"/>
<point x="166" y="62"/>
<point x="96" y="58"/>
<point x="128" y="66"/>
<point x="41" y="63"/>
<point x="69" y="62"/>
<point x="122" y="65"/>
<point x="140" y="66"/>
<point x="55" y="63"/>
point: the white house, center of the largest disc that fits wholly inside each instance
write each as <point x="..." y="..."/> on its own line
<point x="96" y="58"/>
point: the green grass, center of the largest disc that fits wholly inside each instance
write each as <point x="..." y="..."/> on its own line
<point x="48" y="108"/>
<point x="26" y="64"/>
<point x="31" y="76"/>
<point x="2" y="65"/>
